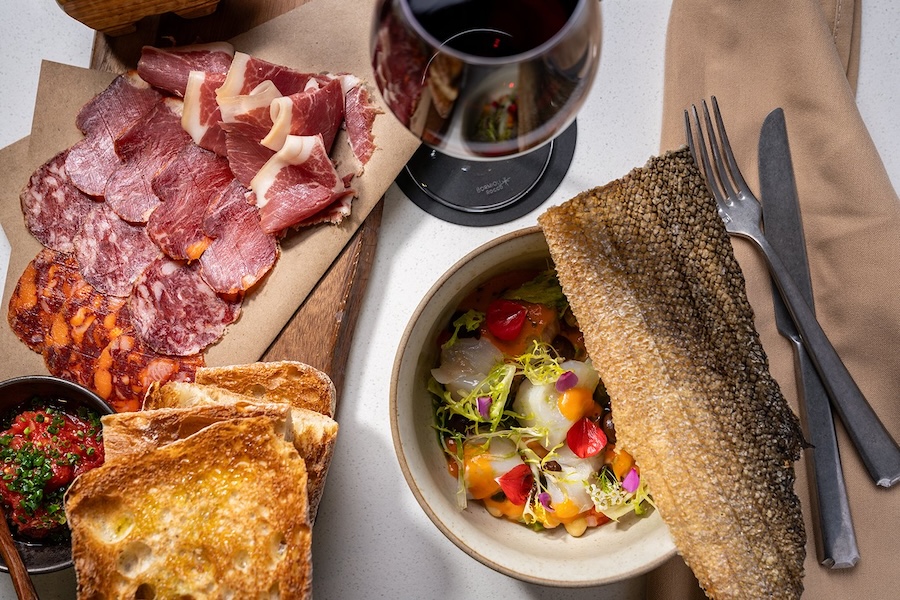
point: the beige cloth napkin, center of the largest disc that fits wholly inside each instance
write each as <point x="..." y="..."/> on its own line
<point x="802" y="56"/>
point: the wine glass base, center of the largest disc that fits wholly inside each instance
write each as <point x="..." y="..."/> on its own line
<point x="484" y="193"/>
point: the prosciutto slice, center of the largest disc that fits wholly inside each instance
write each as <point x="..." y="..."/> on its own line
<point x="146" y="149"/>
<point x="246" y="155"/>
<point x="247" y="72"/>
<point x="201" y="114"/>
<point x="54" y="209"/>
<point x="169" y="69"/>
<point x="186" y="186"/>
<point x="316" y="110"/>
<point x="92" y="161"/>
<point x="241" y="252"/>
<point x="112" y="253"/>
<point x="175" y="312"/>
<point x="297" y="182"/>
<point x="359" y="118"/>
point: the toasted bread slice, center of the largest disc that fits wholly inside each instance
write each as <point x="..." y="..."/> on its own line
<point x="292" y="382"/>
<point x="218" y="514"/>
<point x="314" y="433"/>
<point x="130" y="434"/>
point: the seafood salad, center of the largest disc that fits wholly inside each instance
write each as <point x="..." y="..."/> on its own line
<point x="522" y="416"/>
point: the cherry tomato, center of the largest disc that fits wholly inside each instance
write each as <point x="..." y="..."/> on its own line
<point x="505" y="319"/>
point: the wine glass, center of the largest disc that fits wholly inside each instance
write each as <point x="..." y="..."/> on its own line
<point x="492" y="88"/>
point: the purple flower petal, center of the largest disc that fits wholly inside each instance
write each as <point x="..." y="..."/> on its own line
<point x="631" y="481"/>
<point x="544" y="499"/>
<point x="566" y="381"/>
<point x="484" y="406"/>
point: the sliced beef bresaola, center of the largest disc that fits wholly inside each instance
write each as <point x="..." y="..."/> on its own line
<point x="145" y="149"/>
<point x="241" y="253"/>
<point x="187" y="186"/>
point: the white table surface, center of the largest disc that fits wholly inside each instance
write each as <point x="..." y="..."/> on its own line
<point x="371" y="539"/>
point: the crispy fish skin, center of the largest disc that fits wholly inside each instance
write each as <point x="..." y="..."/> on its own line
<point x="651" y="276"/>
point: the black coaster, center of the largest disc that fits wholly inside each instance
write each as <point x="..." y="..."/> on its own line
<point x="483" y="193"/>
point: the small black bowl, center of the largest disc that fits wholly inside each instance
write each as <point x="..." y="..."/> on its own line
<point x="46" y="556"/>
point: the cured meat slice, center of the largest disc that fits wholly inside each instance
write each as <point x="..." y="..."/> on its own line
<point x="201" y="114"/>
<point x="92" y="161"/>
<point x="120" y="105"/>
<point x="111" y="252"/>
<point x="186" y="186"/>
<point x="146" y="148"/>
<point x="296" y="183"/>
<point x="84" y="325"/>
<point x="54" y="209"/>
<point x="175" y="312"/>
<point x="319" y="110"/>
<point x="168" y="68"/>
<point x="252" y="108"/>
<point x="44" y="286"/>
<point x="359" y="117"/>
<point x="241" y="252"/>
<point x="246" y="155"/>
<point x="126" y="368"/>
<point x="247" y="72"/>
<point x="334" y="213"/>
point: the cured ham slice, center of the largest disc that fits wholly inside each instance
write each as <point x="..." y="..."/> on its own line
<point x="168" y="69"/>
<point x="246" y="155"/>
<point x="146" y="148"/>
<point x="319" y="110"/>
<point x="297" y="182"/>
<point x="201" y="114"/>
<point x="247" y="72"/>
<point x="92" y="161"/>
<point x="241" y="252"/>
<point x="54" y="209"/>
<point x="44" y="286"/>
<point x="252" y="108"/>
<point x="126" y="368"/>
<point x="359" y="117"/>
<point x="187" y="186"/>
<point x="112" y="253"/>
<point x="175" y="312"/>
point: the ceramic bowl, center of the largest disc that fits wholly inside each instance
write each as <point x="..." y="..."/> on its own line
<point x="45" y="556"/>
<point x="603" y="555"/>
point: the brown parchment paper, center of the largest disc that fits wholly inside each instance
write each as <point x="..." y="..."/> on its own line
<point x="322" y="35"/>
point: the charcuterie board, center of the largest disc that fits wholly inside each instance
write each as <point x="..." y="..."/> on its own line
<point x="305" y="309"/>
<point x="321" y="330"/>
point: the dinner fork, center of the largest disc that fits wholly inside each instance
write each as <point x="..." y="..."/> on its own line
<point x="742" y="214"/>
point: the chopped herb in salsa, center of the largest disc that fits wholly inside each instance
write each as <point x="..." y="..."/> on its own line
<point x="42" y="450"/>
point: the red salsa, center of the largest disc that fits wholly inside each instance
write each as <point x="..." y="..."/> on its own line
<point x="42" y="450"/>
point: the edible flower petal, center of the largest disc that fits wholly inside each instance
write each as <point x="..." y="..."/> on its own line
<point x="631" y="481"/>
<point x="585" y="438"/>
<point x="517" y="483"/>
<point x="566" y="381"/>
<point x="544" y="499"/>
<point x="484" y="406"/>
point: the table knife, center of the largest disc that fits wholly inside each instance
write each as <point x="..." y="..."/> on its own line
<point x="836" y="539"/>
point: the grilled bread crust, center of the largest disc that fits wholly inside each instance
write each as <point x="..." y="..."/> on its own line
<point x="651" y="276"/>
<point x="296" y="383"/>
<point x="314" y="434"/>
<point x="220" y="513"/>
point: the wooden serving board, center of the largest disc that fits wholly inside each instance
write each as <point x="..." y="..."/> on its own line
<point x="321" y="330"/>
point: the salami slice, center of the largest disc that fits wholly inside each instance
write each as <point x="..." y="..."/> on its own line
<point x="85" y="324"/>
<point x="54" y="209"/>
<point x="47" y="282"/>
<point x="174" y="310"/>
<point x="112" y="253"/>
<point x="126" y="369"/>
